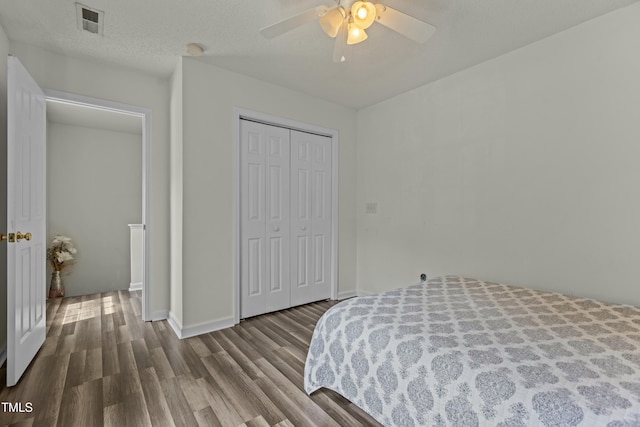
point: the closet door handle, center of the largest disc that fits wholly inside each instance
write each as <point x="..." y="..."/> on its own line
<point x="304" y="227"/>
<point x="276" y="228"/>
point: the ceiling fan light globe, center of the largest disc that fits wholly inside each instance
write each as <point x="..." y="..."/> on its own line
<point x="363" y="13"/>
<point x="356" y="34"/>
<point x="330" y="22"/>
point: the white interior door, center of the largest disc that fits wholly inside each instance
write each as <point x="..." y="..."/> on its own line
<point x="26" y="198"/>
<point x="264" y="211"/>
<point x="310" y="217"/>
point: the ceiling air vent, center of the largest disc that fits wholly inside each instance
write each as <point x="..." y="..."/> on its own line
<point x="89" y="19"/>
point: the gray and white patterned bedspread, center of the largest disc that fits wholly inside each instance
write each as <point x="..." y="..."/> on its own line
<point x="464" y="352"/>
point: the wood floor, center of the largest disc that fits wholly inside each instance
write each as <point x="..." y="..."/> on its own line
<point x="101" y="365"/>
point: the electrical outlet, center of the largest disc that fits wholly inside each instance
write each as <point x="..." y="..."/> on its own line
<point x="371" y="207"/>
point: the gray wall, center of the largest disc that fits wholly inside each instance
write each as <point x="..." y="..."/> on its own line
<point x="94" y="189"/>
<point x="204" y="182"/>
<point x="523" y="169"/>
<point x="127" y="86"/>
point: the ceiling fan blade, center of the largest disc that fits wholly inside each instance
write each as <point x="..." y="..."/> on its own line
<point x="341" y="43"/>
<point x="331" y="21"/>
<point x="404" y="24"/>
<point x="293" y="22"/>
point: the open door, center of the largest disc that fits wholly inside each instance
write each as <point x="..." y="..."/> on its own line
<point x="26" y="227"/>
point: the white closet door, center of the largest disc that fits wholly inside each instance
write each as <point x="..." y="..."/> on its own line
<point x="310" y="217"/>
<point x="277" y="218"/>
<point x="264" y="210"/>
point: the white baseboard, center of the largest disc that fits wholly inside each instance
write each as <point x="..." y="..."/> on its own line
<point x="175" y="324"/>
<point x="347" y="294"/>
<point x="159" y="315"/>
<point x="362" y="293"/>
<point x="3" y="354"/>
<point x="135" y="286"/>
<point x="198" y="329"/>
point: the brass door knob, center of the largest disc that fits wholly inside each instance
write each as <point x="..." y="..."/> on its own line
<point x="3" y="237"/>
<point x="20" y="236"/>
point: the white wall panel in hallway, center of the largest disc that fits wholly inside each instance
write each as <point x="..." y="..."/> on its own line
<point x="94" y="182"/>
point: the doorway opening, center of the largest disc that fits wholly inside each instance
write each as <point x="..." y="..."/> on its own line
<point x="102" y="120"/>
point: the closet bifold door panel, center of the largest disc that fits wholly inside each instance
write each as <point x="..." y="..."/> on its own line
<point x="310" y="217"/>
<point x="285" y="218"/>
<point x="264" y="212"/>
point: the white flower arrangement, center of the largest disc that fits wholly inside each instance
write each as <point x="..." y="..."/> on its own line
<point x="60" y="252"/>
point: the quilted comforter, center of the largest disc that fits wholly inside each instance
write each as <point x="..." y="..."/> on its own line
<point x="463" y="352"/>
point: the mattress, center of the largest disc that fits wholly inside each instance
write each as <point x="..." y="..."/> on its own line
<point x="465" y="352"/>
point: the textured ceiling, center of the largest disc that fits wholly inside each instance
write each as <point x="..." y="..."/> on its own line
<point x="151" y="34"/>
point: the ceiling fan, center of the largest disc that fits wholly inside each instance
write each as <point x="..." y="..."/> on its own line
<point x="348" y="20"/>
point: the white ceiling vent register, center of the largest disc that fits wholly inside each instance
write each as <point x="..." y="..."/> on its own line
<point x="89" y="19"/>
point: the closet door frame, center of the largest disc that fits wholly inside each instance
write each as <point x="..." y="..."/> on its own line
<point x="245" y="114"/>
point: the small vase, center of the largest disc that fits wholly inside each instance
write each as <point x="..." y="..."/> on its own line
<point x="56" y="289"/>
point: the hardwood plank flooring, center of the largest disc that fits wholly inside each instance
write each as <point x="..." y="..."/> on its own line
<point x="101" y="365"/>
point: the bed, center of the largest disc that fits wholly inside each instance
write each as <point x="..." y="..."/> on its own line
<point x="464" y="352"/>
